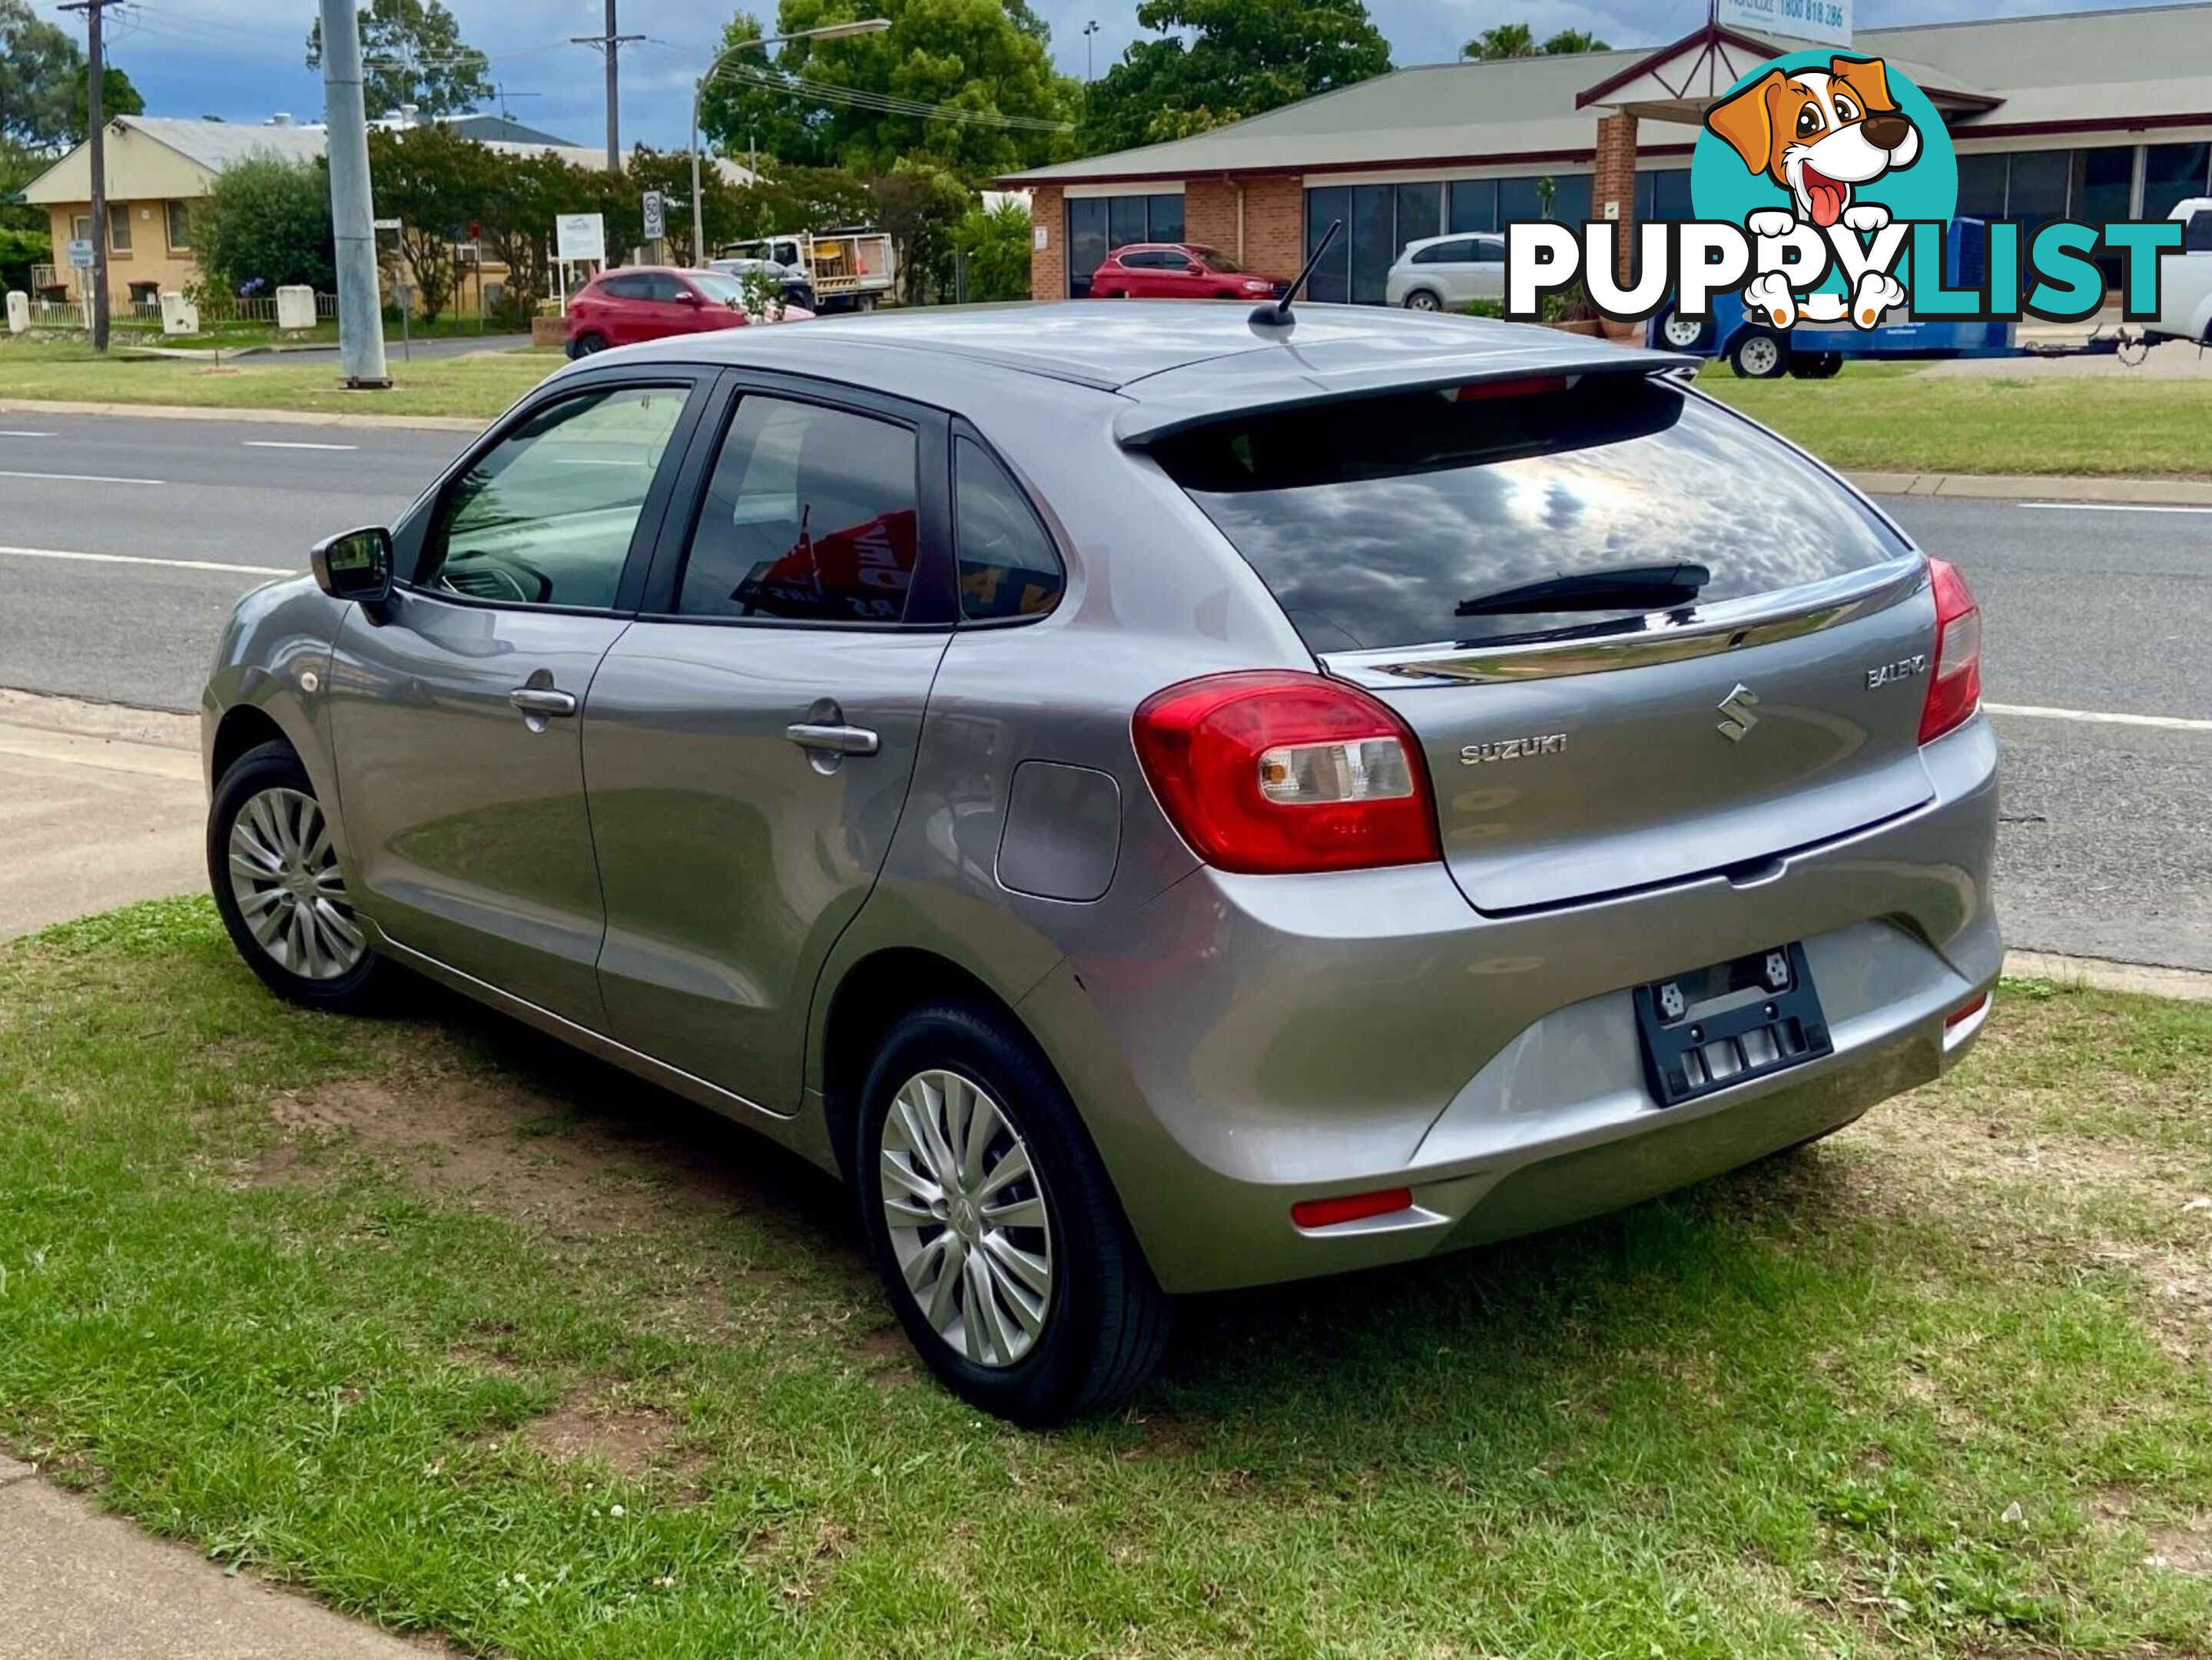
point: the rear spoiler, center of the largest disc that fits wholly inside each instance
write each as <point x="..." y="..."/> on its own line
<point x="1262" y="382"/>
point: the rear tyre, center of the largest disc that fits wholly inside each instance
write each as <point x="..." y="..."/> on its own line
<point x="274" y="876"/>
<point x="1759" y="354"/>
<point x="1816" y="366"/>
<point x="1002" y="1246"/>
<point x="584" y="345"/>
<point x="1424" y="300"/>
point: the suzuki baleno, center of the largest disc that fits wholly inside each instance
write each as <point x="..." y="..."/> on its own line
<point x="1158" y="802"/>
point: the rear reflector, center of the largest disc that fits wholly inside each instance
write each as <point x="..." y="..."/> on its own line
<point x="1959" y="1016"/>
<point x="1352" y="1207"/>
<point x="1276" y="771"/>
<point x="1954" y="690"/>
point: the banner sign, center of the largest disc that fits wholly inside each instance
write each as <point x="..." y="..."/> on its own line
<point x="1825" y="20"/>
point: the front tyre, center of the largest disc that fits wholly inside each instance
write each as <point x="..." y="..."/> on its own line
<point x="1002" y="1246"/>
<point x="274" y="876"/>
<point x="587" y="345"/>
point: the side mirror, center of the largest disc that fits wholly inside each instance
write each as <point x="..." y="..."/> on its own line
<point x="686" y="297"/>
<point x="355" y="564"/>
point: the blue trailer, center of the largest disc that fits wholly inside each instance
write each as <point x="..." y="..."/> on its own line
<point x="1813" y="351"/>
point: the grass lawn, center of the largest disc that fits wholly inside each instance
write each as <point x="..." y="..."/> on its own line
<point x="477" y="386"/>
<point x="471" y="1336"/>
<point x="1888" y="417"/>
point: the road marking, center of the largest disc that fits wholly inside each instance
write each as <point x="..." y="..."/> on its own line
<point x="142" y="559"/>
<point x="283" y="444"/>
<point x="2097" y="717"/>
<point x="2108" y="507"/>
<point x="82" y="477"/>
<point x="11" y="432"/>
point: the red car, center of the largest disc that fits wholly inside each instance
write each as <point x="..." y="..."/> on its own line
<point x="650" y="303"/>
<point x="1179" y="271"/>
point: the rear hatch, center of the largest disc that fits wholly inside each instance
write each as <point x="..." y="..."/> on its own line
<point x="1583" y="741"/>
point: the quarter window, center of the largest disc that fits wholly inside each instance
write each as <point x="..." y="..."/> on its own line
<point x="2197" y="239"/>
<point x="546" y="517"/>
<point x="811" y="515"/>
<point x="1008" y="565"/>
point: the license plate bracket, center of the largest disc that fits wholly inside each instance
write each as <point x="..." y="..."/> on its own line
<point x="1730" y="1023"/>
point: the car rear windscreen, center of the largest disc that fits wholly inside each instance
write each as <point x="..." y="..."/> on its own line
<point x="1375" y="521"/>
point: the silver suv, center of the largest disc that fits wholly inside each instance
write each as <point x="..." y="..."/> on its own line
<point x="1157" y="803"/>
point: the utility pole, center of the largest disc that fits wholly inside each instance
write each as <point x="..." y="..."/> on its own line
<point x="612" y="44"/>
<point x="95" y="121"/>
<point x="353" y="221"/>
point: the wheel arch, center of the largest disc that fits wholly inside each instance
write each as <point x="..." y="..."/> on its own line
<point x="243" y="727"/>
<point x="870" y="995"/>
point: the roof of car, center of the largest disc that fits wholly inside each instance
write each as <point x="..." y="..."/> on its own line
<point x="1180" y="358"/>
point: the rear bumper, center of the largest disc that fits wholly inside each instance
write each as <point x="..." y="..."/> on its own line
<point x="1249" y="1043"/>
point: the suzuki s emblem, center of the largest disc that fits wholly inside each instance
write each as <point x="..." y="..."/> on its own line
<point x="1737" y="708"/>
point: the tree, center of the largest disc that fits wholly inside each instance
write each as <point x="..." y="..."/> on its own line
<point x="987" y="57"/>
<point x="265" y="221"/>
<point x="1218" y="61"/>
<point x="412" y="52"/>
<point x="919" y="206"/>
<point x="42" y="84"/>
<point x="1519" y="40"/>
<point x="116" y="97"/>
<point x="434" y="182"/>
<point x="995" y="244"/>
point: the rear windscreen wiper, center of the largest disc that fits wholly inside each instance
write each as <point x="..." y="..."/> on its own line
<point x="1624" y="588"/>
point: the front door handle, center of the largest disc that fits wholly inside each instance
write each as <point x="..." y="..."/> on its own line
<point x="543" y="699"/>
<point x="833" y="740"/>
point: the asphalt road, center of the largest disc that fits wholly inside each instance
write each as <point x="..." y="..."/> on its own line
<point x="2090" y="613"/>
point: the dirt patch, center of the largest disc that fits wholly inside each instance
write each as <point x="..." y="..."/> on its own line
<point x="630" y="1440"/>
<point x="2186" y="1547"/>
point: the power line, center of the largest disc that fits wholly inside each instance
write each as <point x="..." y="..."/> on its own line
<point x="885" y="103"/>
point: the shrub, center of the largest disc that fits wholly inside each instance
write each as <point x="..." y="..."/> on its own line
<point x="20" y="250"/>
<point x="995" y="242"/>
<point x="266" y="220"/>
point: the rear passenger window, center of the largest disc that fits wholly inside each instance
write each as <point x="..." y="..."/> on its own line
<point x="2198" y="236"/>
<point x="810" y="516"/>
<point x="1008" y="565"/>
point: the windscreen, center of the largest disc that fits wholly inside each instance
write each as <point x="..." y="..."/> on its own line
<point x="1375" y="521"/>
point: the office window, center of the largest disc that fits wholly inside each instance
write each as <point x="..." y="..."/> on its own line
<point x="2104" y="183"/>
<point x="1420" y="213"/>
<point x="2036" y="191"/>
<point x="2173" y="173"/>
<point x="1098" y="224"/>
<point x="179" y="217"/>
<point x="1163" y="218"/>
<point x="1473" y="205"/>
<point x="1374" y="240"/>
<point x="1662" y="195"/>
<point x="1981" y="186"/>
<point x="1332" y="279"/>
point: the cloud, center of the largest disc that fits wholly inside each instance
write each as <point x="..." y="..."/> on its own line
<point x="234" y="59"/>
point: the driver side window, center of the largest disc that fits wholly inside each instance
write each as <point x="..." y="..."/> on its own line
<point x="545" y="518"/>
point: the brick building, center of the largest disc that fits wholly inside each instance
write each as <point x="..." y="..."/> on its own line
<point x="2092" y="115"/>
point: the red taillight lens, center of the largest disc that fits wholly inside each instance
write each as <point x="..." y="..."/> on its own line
<point x="1270" y="772"/>
<point x="1954" y="690"/>
<point x="1350" y="1207"/>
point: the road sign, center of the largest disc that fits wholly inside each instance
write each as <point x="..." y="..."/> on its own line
<point x="580" y="236"/>
<point x="383" y="224"/>
<point x="80" y="252"/>
<point x="656" y="215"/>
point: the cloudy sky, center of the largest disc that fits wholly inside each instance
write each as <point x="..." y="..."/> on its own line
<point x="242" y="59"/>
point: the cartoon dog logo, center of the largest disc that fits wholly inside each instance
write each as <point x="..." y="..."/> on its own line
<point x="1821" y="135"/>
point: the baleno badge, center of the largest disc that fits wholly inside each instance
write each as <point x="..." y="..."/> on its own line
<point x="1904" y="669"/>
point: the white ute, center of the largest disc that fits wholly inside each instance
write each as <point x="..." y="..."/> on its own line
<point x="2185" y="279"/>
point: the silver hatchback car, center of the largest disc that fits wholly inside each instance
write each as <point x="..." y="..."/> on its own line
<point x="1158" y="804"/>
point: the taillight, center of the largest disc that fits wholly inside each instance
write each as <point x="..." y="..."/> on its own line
<point x="1271" y="771"/>
<point x="1954" y="689"/>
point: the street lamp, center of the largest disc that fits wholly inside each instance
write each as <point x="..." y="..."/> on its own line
<point x="1089" y="29"/>
<point x="827" y="32"/>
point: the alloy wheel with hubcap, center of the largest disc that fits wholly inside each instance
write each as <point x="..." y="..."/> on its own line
<point x="967" y="1218"/>
<point x="284" y="878"/>
<point x="1422" y="300"/>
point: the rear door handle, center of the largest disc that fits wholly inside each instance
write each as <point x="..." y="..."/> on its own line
<point x="543" y="699"/>
<point x="833" y="740"/>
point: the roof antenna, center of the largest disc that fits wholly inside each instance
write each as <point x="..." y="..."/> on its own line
<point x="1276" y="313"/>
